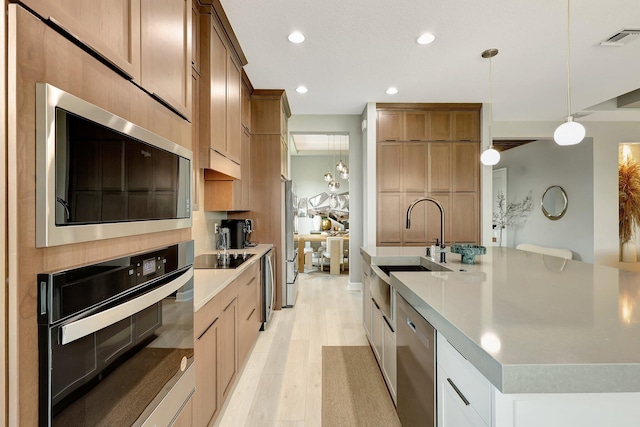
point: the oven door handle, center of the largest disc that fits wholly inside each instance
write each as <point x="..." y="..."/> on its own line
<point x="88" y="325"/>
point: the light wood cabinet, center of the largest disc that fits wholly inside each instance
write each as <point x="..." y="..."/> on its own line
<point x="245" y="95"/>
<point x="248" y="311"/>
<point x="221" y="193"/>
<point x="390" y="126"/>
<point x="220" y="95"/>
<point x="440" y="127"/>
<point x="185" y="418"/>
<point x="389" y="166"/>
<point x="166" y="53"/>
<point x="195" y="36"/>
<point x="110" y="28"/>
<point x="137" y="37"/>
<point x="228" y="348"/>
<point x="389" y="229"/>
<point x="466" y="166"/>
<point x="416" y="125"/>
<point x="428" y="150"/>
<point x="206" y="399"/>
<point x="465" y="126"/>
<point x="225" y="329"/>
<point x="464" y="221"/>
<point x="269" y="116"/>
<point x="440" y="174"/>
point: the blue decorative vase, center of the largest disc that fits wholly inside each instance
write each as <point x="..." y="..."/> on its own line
<point x="468" y="252"/>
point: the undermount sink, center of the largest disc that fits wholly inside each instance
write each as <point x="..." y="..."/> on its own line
<point x="387" y="269"/>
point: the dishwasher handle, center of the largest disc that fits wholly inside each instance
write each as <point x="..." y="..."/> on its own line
<point x="457" y="390"/>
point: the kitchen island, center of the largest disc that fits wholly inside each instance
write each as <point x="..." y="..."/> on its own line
<point x="558" y="341"/>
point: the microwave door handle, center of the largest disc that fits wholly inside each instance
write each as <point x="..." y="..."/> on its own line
<point x="88" y="325"/>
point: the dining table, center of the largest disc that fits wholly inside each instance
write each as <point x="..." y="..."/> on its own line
<point x="302" y="239"/>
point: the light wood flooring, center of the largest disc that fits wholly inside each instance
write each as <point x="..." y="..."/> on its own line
<point x="281" y="383"/>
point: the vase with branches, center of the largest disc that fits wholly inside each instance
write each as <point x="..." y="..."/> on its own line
<point x="628" y="204"/>
<point x="511" y="214"/>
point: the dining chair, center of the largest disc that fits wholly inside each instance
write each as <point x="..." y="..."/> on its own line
<point x="335" y="255"/>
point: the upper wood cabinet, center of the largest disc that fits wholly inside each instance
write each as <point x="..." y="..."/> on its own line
<point x="195" y="36"/>
<point x="465" y="126"/>
<point x="390" y="126"/>
<point x="221" y="193"/>
<point x="220" y="95"/>
<point x="428" y="150"/>
<point x="245" y="101"/>
<point x="429" y="124"/>
<point x="137" y="37"/>
<point x="166" y="52"/>
<point x="269" y="116"/>
<point x="110" y="28"/>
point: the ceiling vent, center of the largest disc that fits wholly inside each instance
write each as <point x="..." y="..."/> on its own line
<point x="621" y="38"/>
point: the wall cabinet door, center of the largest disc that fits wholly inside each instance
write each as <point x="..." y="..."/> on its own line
<point x="464" y="219"/>
<point x="166" y="53"/>
<point x="389" y="231"/>
<point x="414" y="167"/>
<point x="466" y="166"/>
<point x="433" y="218"/>
<point x="465" y="126"/>
<point x="206" y="399"/>
<point x="440" y="178"/>
<point x="440" y="126"/>
<point x="227" y="348"/>
<point x="234" y="110"/>
<point x="214" y="87"/>
<point x="111" y="28"/>
<point x="417" y="234"/>
<point x="416" y="125"/>
<point x="389" y="166"/>
<point x="390" y="126"/>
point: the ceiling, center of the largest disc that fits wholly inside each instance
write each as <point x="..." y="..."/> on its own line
<point x="355" y="50"/>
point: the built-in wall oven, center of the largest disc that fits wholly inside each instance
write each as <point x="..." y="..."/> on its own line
<point x="116" y="340"/>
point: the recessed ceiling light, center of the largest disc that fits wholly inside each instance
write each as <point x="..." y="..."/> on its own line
<point x="392" y="91"/>
<point x="302" y="89"/>
<point x="296" y="37"/>
<point x="426" y="38"/>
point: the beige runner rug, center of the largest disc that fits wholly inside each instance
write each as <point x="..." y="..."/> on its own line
<point x="353" y="390"/>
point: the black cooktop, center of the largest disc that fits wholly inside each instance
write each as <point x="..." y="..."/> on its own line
<point x="219" y="261"/>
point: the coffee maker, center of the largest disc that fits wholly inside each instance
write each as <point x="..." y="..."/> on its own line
<point x="239" y="231"/>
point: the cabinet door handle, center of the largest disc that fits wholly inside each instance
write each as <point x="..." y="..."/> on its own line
<point x="464" y="399"/>
<point x="251" y="314"/>
<point x="411" y="325"/>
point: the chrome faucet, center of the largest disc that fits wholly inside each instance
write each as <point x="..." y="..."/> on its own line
<point x="443" y="256"/>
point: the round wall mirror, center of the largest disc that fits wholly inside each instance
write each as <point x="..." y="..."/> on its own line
<point x="554" y="202"/>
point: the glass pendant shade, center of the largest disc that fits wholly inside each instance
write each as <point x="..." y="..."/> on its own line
<point x="334" y="185"/>
<point x="340" y="166"/>
<point x="569" y="133"/>
<point x="328" y="177"/>
<point x="344" y="173"/>
<point x="490" y="156"/>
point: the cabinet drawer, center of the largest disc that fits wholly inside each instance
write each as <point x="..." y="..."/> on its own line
<point x="228" y="294"/>
<point x="247" y="299"/>
<point x="206" y="315"/>
<point x="468" y="380"/>
<point x="246" y="277"/>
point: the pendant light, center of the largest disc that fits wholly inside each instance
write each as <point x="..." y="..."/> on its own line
<point x="344" y="173"/>
<point x="570" y="132"/>
<point x="340" y="165"/>
<point x="490" y="156"/>
<point x="333" y="184"/>
<point x="328" y="177"/>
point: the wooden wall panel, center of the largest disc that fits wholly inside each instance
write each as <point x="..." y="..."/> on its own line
<point x="37" y="53"/>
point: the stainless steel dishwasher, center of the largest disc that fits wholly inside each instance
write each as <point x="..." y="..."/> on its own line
<point x="416" y="352"/>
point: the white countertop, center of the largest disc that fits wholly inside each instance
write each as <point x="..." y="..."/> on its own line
<point x="207" y="282"/>
<point x="531" y="323"/>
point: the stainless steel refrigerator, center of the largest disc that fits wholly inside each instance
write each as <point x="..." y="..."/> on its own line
<point x="290" y="251"/>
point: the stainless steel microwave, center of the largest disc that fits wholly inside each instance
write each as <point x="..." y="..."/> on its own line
<point x="100" y="176"/>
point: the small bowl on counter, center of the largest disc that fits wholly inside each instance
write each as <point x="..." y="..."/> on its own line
<point x="468" y="252"/>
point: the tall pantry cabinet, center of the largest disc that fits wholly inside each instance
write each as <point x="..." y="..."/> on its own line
<point x="428" y="150"/>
